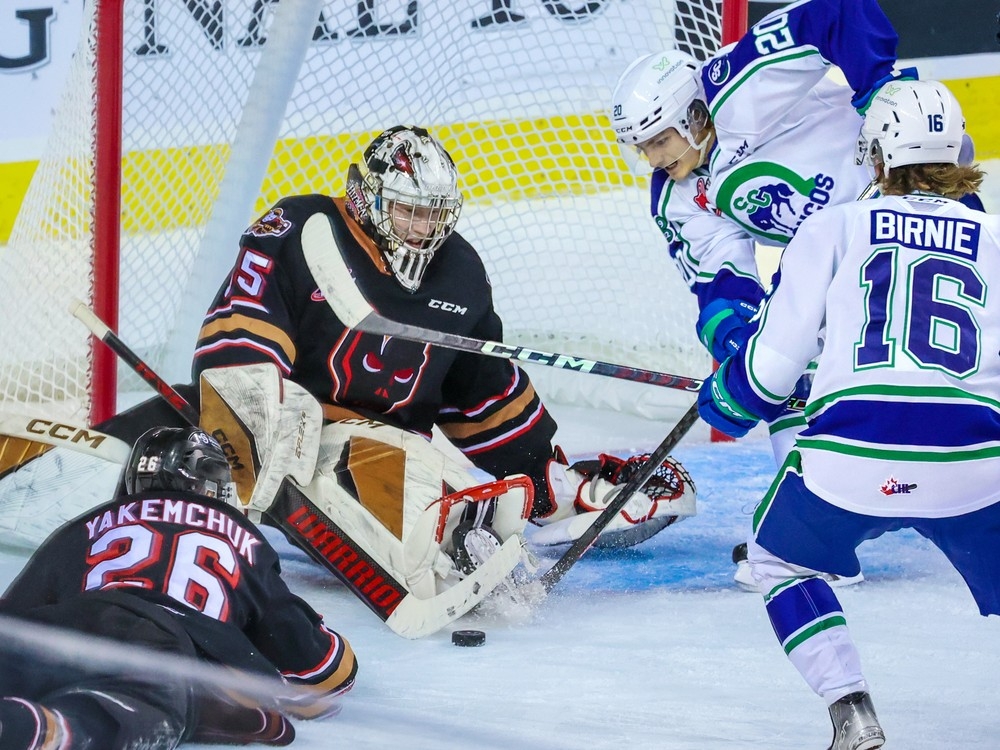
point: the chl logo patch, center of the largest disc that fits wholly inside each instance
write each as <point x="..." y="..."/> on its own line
<point x="893" y="486"/>
<point x="271" y="224"/>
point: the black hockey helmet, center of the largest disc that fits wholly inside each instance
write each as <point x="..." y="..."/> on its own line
<point x="185" y="459"/>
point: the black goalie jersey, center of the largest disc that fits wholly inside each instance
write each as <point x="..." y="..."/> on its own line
<point x="191" y="563"/>
<point x="270" y="310"/>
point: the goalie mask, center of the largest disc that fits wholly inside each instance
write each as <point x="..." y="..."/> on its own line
<point x="911" y="122"/>
<point x="657" y="92"/>
<point x="410" y="201"/>
<point x="181" y="459"/>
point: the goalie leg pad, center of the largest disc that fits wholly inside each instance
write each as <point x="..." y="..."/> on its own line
<point x="51" y="470"/>
<point x="268" y="426"/>
<point x="374" y="515"/>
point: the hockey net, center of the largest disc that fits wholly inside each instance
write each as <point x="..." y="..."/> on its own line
<point x="228" y="106"/>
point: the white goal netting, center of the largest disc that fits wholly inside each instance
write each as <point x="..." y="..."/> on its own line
<point x="228" y="106"/>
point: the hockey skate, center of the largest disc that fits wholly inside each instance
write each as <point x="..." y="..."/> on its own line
<point x="745" y="580"/>
<point x="855" y="725"/>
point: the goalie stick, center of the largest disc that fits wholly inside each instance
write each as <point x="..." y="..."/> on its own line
<point x="334" y="279"/>
<point x="413" y="617"/>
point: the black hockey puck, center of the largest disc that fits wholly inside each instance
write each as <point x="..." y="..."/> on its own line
<point x="468" y="637"/>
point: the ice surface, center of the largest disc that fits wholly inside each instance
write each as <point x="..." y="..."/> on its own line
<point x="654" y="647"/>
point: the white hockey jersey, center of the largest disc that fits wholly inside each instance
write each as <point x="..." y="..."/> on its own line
<point x="904" y="414"/>
<point x="786" y="136"/>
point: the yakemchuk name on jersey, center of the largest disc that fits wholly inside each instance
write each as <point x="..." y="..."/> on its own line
<point x="950" y="235"/>
<point x="181" y="512"/>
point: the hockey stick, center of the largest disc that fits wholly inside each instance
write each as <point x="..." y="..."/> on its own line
<point x="63" y="434"/>
<point x="576" y="550"/>
<point x="330" y="271"/>
<point x="295" y="515"/>
<point x="101" y="331"/>
<point x="48" y="643"/>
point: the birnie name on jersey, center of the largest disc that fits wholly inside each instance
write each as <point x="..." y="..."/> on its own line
<point x="181" y="512"/>
<point x="955" y="236"/>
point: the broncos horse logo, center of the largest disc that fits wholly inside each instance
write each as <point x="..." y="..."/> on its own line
<point x="770" y="200"/>
<point x="768" y="206"/>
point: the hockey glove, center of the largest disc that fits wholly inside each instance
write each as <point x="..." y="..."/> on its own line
<point x="864" y="100"/>
<point x="720" y="410"/>
<point x="722" y="325"/>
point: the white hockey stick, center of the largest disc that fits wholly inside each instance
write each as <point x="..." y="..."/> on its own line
<point x="63" y="434"/>
<point x="103" y="656"/>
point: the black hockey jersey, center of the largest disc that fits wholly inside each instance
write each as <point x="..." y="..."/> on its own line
<point x="194" y="562"/>
<point x="270" y="310"/>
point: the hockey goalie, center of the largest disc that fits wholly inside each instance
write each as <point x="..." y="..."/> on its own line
<point x="330" y="428"/>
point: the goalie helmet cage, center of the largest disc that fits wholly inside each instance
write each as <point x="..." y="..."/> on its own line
<point x="182" y="122"/>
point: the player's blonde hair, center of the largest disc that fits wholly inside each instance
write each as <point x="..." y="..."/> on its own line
<point x="950" y="180"/>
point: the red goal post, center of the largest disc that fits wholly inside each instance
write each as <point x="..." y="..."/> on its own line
<point x="178" y="127"/>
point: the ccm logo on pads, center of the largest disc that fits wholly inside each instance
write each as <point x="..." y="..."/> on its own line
<point x="447" y="306"/>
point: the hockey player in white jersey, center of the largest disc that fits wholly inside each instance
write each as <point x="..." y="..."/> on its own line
<point x="904" y="414"/>
<point x="744" y="147"/>
<point x="751" y="142"/>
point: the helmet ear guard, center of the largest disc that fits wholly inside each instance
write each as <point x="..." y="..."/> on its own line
<point x="657" y="92"/>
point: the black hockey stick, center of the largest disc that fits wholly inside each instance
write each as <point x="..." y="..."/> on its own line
<point x="330" y="271"/>
<point x="332" y="275"/>
<point x="101" y="331"/>
<point x="576" y="550"/>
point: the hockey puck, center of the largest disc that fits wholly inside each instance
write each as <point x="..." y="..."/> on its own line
<point x="468" y="637"/>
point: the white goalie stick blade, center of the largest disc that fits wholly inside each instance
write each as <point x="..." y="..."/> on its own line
<point x="59" y="432"/>
<point x="406" y="615"/>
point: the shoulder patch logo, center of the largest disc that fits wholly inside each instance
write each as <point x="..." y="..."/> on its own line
<point x="271" y="224"/>
<point x="701" y="199"/>
<point x="719" y="70"/>
<point x="893" y="486"/>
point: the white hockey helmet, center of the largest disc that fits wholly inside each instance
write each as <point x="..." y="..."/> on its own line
<point x="912" y="122"/>
<point x="410" y="186"/>
<point x="655" y="93"/>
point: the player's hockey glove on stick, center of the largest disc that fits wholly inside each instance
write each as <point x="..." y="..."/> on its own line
<point x="722" y="326"/>
<point x="719" y="409"/>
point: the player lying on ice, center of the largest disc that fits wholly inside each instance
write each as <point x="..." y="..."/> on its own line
<point x="168" y="571"/>
<point x="290" y="390"/>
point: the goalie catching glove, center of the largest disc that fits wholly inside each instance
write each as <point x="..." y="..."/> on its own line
<point x="581" y="491"/>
